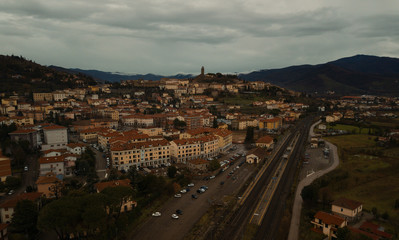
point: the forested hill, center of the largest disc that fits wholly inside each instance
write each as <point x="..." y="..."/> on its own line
<point x="24" y="76"/>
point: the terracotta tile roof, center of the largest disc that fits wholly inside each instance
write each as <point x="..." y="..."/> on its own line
<point x="23" y="131"/>
<point x="259" y="152"/>
<point x="44" y="160"/>
<point x="75" y="145"/>
<point x="329" y="218"/>
<point x="374" y="228"/>
<point x="265" y="139"/>
<point x="139" y="145"/>
<point x="47" y="179"/>
<point x="277" y="119"/>
<point x="54" y="127"/>
<point x="11" y="203"/>
<point x="202" y="139"/>
<point x="94" y="130"/>
<point x="347" y="203"/>
<point x="370" y="235"/>
<point x="5" y="166"/>
<point x="102" y="185"/>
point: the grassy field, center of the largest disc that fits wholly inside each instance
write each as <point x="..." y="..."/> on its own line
<point x="366" y="173"/>
<point x="352" y="129"/>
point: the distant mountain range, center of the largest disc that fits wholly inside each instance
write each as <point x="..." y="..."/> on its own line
<point x="117" y="77"/>
<point x="360" y="74"/>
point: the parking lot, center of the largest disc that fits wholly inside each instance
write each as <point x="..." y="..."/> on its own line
<point x="192" y="209"/>
<point x="314" y="161"/>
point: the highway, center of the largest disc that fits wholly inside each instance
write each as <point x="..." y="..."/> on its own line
<point x="270" y="215"/>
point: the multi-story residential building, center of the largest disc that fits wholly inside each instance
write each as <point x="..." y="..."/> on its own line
<point x="55" y="136"/>
<point x="76" y="148"/>
<point x="138" y="120"/>
<point x="270" y="123"/>
<point x="183" y="150"/>
<point x="151" y="131"/>
<point x="242" y="124"/>
<point x="49" y="185"/>
<point x="149" y="153"/>
<point x="37" y="97"/>
<point x="59" y="96"/>
<point x="5" y="167"/>
<point x="22" y="120"/>
<point x="52" y="164"/>
<point x="328" y="224"/>
<point x="29" y="135"/>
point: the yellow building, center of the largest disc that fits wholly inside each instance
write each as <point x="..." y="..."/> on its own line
<point x="270" y="123"/>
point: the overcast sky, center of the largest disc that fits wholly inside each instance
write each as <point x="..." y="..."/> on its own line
<point x="172" y="36"/>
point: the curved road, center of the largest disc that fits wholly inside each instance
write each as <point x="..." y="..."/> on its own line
<point x="296" y="211"/>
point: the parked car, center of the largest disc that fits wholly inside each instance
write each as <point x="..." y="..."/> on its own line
<point x="221" y="183"/>
<point x="11" y="192"/>
<point x="190" y="185"/>
<point x="156" y="214"/>
<point x="26" y="168"/>
<point x="178" y="195"/>
<point x="194" y="196"/>
<point x="183" y="191"/>
<point x="212" y="177"/>
<point x="179" y="212"/>
<point x="174" y="216"/>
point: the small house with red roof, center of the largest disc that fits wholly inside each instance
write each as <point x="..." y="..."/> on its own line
<point x="328" y="224"/>
<point x="55" y="165"/>
<point x="265" y="142"/>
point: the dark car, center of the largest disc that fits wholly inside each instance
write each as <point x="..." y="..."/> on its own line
<point x="221" y="183"/>
<point x="180" y="212"/>
<point x="194" y="196"/>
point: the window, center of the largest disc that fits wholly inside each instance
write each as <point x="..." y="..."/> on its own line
<point x="342" y="209"/>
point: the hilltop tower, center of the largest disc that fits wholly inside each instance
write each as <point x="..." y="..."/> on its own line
<point x="202" y="71"/>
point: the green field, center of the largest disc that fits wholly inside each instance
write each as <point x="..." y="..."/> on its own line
<point x="366" y="173"/>
<point x="351" y="129"/>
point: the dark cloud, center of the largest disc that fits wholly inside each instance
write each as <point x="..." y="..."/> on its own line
<point x="179" y="35"/>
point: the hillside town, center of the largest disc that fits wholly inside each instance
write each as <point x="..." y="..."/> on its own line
<point x="104" y="136"/>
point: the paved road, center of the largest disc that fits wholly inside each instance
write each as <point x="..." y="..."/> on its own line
<point x="166" y="228"/>
<point x="296" y="211"/>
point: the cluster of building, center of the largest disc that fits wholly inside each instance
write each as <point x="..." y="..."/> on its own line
<point x="344" y="212"/>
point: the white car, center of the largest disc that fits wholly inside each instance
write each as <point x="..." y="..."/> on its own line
<point x="190" y="185"/>
<point x="183" y="191"/>
<point x="156" y="214"/>
<point x="212" y="177"/>
<point x="178" y="195"/>
<point x="174" y="216"/>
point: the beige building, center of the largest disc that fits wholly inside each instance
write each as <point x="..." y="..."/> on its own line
<point x="349" y="209"/>
<point x="198" y="164"/>
<point x="49" y="185"/>
<point x="328" y="224"/>
<point x="37" y="97"/>
<point x="255" y="155"/>
<point x="151" y="131"/>
<point x="183" y="150"/>
<point x="149" y="153"/>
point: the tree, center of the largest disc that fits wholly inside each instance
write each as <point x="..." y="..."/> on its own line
<point x="25" y="218"/>
<point x="61" y="216"/>
<point x="310" y="193"/>
<point x="215" y="123"/>
<point x="13" y="182"/>
<point x="214" y="165"/>
<point x="115" y="197"/>
<point x="343" y="233"/>
<point x="179" y="124"/>
<point x="172" y="171"/>
<point x="249" y="137"/>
